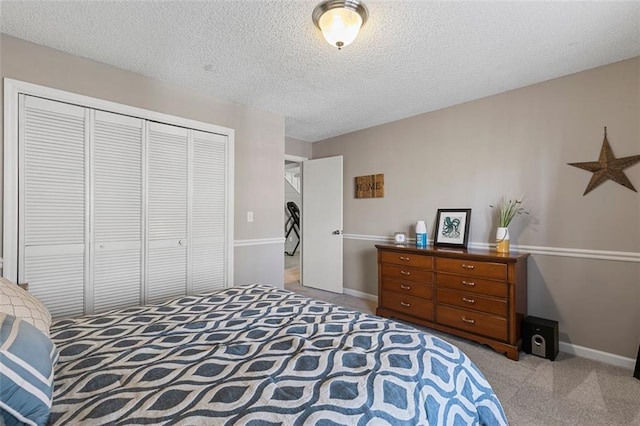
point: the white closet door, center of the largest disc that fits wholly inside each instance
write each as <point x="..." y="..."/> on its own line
<point x="208" y="218"/>
<point x="167" y="148"/>
<point x="52" y="203"/>
<point x="117" y="208"/>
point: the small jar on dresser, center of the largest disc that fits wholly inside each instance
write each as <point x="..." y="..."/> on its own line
<point x="480" y="295"/>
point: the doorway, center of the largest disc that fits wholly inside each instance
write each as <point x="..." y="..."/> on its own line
<point x="292" y="231"/>
<point x="318" y="260"/>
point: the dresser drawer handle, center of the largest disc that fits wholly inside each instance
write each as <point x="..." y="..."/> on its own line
<point x="405" y="287"/>
<point x="405" y="273"/>
<point x="469" y="321"/>
<point x="465" y="266"/>
<point x="405" y="258"/>
<point x="464" y="299"/>
<point x="469" y="283"/>
<point x="405" y="304"/>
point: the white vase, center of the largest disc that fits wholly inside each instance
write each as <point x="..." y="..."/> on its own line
<point x="502" y="239"/>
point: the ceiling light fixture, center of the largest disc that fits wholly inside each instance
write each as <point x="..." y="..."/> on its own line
<point x="340" y="20"/>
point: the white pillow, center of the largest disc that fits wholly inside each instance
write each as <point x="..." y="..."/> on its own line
<point x="17" y="302"/>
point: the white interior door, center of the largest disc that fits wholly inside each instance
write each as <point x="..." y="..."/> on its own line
<point x="117" y="212"/>
<point x="322" y="224"/>
<point x="52" y="203"/>
<point x="167" y="212"/>
<point x="208" y="212"/>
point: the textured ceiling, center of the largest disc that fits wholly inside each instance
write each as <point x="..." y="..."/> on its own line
<point x="411" y="57"/>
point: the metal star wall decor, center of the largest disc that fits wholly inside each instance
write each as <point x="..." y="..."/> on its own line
<point x="608" y="167"/>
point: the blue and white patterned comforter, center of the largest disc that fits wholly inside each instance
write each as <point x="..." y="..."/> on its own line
<point x="258" y="355"/>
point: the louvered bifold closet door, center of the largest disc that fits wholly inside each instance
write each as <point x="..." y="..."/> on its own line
<point x="52" y="206"/>
<point x="209" y="171"/>
<point x="117" y="195"/>
<point x="167" y="148"/>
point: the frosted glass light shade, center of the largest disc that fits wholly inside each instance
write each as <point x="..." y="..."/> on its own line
<point x="340" y="26"/>
<point x="340" y="20"/>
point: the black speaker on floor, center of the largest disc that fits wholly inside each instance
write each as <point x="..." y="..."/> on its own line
<point x="540" y="337"/>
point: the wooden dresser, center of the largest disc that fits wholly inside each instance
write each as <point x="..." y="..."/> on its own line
<point x="480" y="295"/>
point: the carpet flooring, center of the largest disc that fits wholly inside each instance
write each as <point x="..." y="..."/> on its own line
<point x="536" y="391"/>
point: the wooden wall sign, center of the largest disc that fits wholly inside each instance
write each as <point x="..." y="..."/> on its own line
<point x="371" y="186"/>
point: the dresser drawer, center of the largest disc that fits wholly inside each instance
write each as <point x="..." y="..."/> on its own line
<point x="409" y="274"/>
<point x="407" y="259"/>
<point x="473" y="301"/>
<point x="409" y="289"/>
<point x="496" y="271"/>
<point x="473" y="322"/>
<point x="410" y="305"/>
<point x="473" y="284"/>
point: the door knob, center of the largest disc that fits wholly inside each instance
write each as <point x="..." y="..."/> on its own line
<point x="337" y="232"/>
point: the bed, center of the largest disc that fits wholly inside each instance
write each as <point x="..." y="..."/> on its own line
<point x="248" y="355"/>
<point x="258" y="355"/>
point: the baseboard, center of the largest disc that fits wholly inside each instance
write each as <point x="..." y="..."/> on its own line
<point x="361" y="295"/>
<point x="596" y="355"/>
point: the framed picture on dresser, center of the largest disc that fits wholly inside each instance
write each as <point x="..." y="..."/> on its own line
<point x="452" y="227"/>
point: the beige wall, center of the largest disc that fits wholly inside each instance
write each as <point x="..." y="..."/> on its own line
<point x="518" y="142"/>
<point x="297" y="147"/>
<point x="259" y="138"/>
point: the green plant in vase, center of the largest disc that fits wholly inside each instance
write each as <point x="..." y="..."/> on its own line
<point x="508" y="208"/>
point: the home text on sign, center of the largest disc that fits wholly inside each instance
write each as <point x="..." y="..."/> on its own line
<point x="371" y="186"/>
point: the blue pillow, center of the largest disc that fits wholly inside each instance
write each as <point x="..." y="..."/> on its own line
<point x="27" y="358"/>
